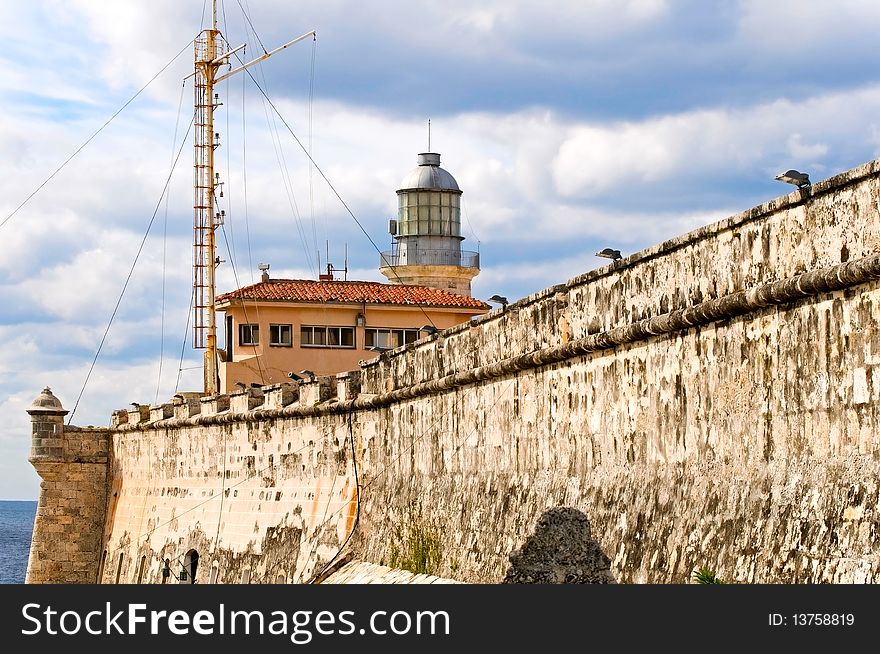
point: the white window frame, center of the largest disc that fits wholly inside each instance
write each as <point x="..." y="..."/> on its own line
<point x="390" y="336"/>
<point x="325" y="331"/>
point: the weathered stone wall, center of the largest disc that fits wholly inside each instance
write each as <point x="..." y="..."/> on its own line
<point x="712" y="401"/>
<point x="249" y="497"/>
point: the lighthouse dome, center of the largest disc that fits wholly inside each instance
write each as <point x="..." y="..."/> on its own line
<point x="429" y="175"/>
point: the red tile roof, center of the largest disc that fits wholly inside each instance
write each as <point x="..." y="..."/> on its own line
<point x="307" y="290"/>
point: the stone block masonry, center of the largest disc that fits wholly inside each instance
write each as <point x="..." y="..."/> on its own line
<point x="712" y="401"/>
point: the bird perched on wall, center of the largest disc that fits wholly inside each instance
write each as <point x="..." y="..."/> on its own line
<point x="801" y="180"/>
<point x="307" y="373"/>
<point x="241" y="385"/>
<point x="499" y="299"/>
<point x="608" y="253"/>
<point x="430" y="330"/>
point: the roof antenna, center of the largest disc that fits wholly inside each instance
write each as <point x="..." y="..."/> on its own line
<point x="429" y="134"/>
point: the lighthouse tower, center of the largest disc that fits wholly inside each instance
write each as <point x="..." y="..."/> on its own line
<point x="426" y="249"/>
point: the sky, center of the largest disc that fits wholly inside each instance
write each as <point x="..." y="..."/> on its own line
<point x="570" y="126"/>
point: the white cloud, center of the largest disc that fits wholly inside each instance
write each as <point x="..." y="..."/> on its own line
<point x="807" y="152"/>
<point x="798" y="31"/>
<point x="708" y="143"/>
<point x="92" y="281"/>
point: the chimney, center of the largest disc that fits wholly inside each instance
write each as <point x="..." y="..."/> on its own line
<point x="265" y="268"/>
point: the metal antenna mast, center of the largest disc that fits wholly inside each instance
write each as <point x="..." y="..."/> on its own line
<point x="209" y="58"/>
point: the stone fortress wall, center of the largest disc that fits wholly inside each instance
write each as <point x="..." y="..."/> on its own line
<point x="711" y="401"/>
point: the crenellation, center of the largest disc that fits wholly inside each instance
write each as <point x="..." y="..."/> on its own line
<point x="214" y="404"/>
<point x="245" y="400"/>
<point x="186" y="405"/>
<point x="278" y="396"/>
<point x="161" y="411"/>
<point x="348" y="385"/>
<point x="118" y="417"/>
<point x="138" y="415"/>
<point x="316" y="390"/>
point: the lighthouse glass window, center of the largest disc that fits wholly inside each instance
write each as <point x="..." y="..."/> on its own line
<point x="429" y="212"/>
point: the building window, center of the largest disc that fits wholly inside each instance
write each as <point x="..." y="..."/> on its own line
<point x="281" y="335"/>
<point x="248" y="334"/>
<point x="377" y="337"/>
<point x="314" y="336"/>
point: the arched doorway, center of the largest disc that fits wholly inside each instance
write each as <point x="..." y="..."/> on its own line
<point x="190" y="567"/>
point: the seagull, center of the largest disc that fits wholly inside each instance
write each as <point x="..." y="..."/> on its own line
<point x="801" y="180"/>
<point x="608" y="253"/>
<point x="429" y="329"/>
<point x="307" y="373"/>
<point x="499" y="299"/>
<point x="241" y="385"/>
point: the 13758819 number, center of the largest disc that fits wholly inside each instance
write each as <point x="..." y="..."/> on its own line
<point x="823" y="619"/>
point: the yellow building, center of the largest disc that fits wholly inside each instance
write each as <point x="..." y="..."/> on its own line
<point x="279" y="326"/>
<point x="282" y="326"/>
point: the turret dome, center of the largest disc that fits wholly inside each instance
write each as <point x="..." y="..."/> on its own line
<point x="46" y="403"/>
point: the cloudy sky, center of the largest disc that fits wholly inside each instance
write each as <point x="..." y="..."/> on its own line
<point x="569" y="125"/>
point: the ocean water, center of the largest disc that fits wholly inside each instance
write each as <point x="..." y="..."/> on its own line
<point x="16" y="525"/>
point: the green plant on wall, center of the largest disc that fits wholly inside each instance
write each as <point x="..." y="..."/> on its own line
<point x="705" y="576"/>
<point x="415" y="544"/>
